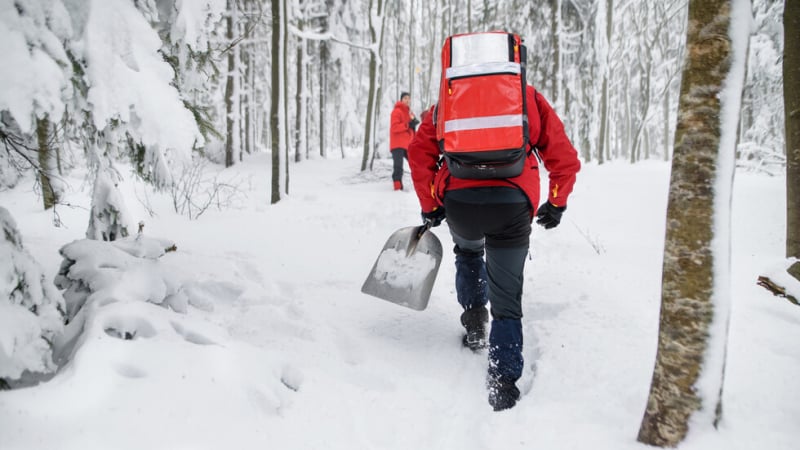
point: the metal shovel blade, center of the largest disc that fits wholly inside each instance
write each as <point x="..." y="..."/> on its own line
<point x="406" y="268"/>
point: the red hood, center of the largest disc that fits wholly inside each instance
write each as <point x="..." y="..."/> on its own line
<point x="400" y="104"/>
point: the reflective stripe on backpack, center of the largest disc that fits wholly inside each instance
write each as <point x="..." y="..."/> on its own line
<point x="487" y="122"/>
<point x="483" y="69"/>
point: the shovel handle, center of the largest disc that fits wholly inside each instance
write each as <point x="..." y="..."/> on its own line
<point x="423" y="228"/>
<point x="412" y="245"/>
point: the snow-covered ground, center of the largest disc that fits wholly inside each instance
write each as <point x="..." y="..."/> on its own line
<point x="286" y="352"/>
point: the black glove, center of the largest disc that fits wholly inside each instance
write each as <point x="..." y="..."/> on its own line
<point x="413" y="123"/>
<point x="549" y="215"/>
<point x="434" y="217"/>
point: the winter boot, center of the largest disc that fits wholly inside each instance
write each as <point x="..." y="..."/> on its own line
<point x="398" y="185"/>
<point x="502" y="394"/>
<point x="474" y="321"/>
<point x="505" y="363"/>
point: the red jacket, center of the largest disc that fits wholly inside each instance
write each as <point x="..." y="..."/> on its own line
<point x="400" y="133"/>
<point x="546" y="133"/>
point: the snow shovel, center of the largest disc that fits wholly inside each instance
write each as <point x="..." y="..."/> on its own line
<point x="406" y="268"/>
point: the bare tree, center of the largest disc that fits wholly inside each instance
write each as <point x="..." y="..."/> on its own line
<point x="689" y="367"/>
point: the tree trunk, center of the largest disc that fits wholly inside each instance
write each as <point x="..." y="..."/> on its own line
<point x="587" y="94"/>
<point x="285" y="87"/>
<point x="623" y="148"/>
<point x="308" y="106"/>
<point x="370" y="107"/>
<point x="378" y="93"/>
<point x="248" y="100"/>
<point x="323" y="81"/>
<point x="602" y="144"/>
<point x="469" y="16"/>
<point x="412" y="64"/>
<point x="666" y="124"/>
<point x="369" y="124"/>
<point x="791" y="92"/>
<point x="688" y="374"/>
<point x="555" y="21"/>
<point x="298" y="97"/>
<point x="229" y="131"/>
<point x="644" y="108"/>
<point x="275" y="102"/>
<point x="399" y="40"/>
<point x="45" y="158"/>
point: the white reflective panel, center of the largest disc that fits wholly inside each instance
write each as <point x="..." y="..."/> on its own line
<point x="479" y="48"/>
<point x="482" y="69"/>
<point x="482" y="123"/>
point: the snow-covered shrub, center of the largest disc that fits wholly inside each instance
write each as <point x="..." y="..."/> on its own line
<point x="108" y="218"/>
<point x="123" y="270"/>
<point x="96" y="274"/>
<point x="31" y="311"/>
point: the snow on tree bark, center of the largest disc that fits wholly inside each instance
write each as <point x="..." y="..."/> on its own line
<point x="693" y="324"/>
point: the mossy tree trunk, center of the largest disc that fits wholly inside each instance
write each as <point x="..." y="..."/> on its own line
<point x="688" y="373"/>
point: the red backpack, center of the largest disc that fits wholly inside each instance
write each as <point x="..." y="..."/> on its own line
<point x="481" y="117"/>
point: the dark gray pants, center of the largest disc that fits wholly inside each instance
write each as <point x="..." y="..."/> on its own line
<point x="397" y="158"/>
<point x="497" y="221"/>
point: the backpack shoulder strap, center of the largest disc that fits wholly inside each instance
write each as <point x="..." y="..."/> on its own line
<point x="533" y="149"/>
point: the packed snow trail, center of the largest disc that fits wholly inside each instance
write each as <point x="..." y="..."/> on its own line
<point x="309" y="362"/>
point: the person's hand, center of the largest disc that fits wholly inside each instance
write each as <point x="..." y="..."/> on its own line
<point x="434" y="217"/>
<point x="549" y="215"/>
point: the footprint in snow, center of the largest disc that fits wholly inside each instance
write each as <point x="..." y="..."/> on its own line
<point x="192" y="336"/>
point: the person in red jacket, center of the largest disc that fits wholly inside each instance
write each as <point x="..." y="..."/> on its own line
<point x="493" y="217"/>
<point x="401" y="131"/>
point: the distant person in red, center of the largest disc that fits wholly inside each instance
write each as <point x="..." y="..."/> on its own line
<point x="401" y="131"/>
